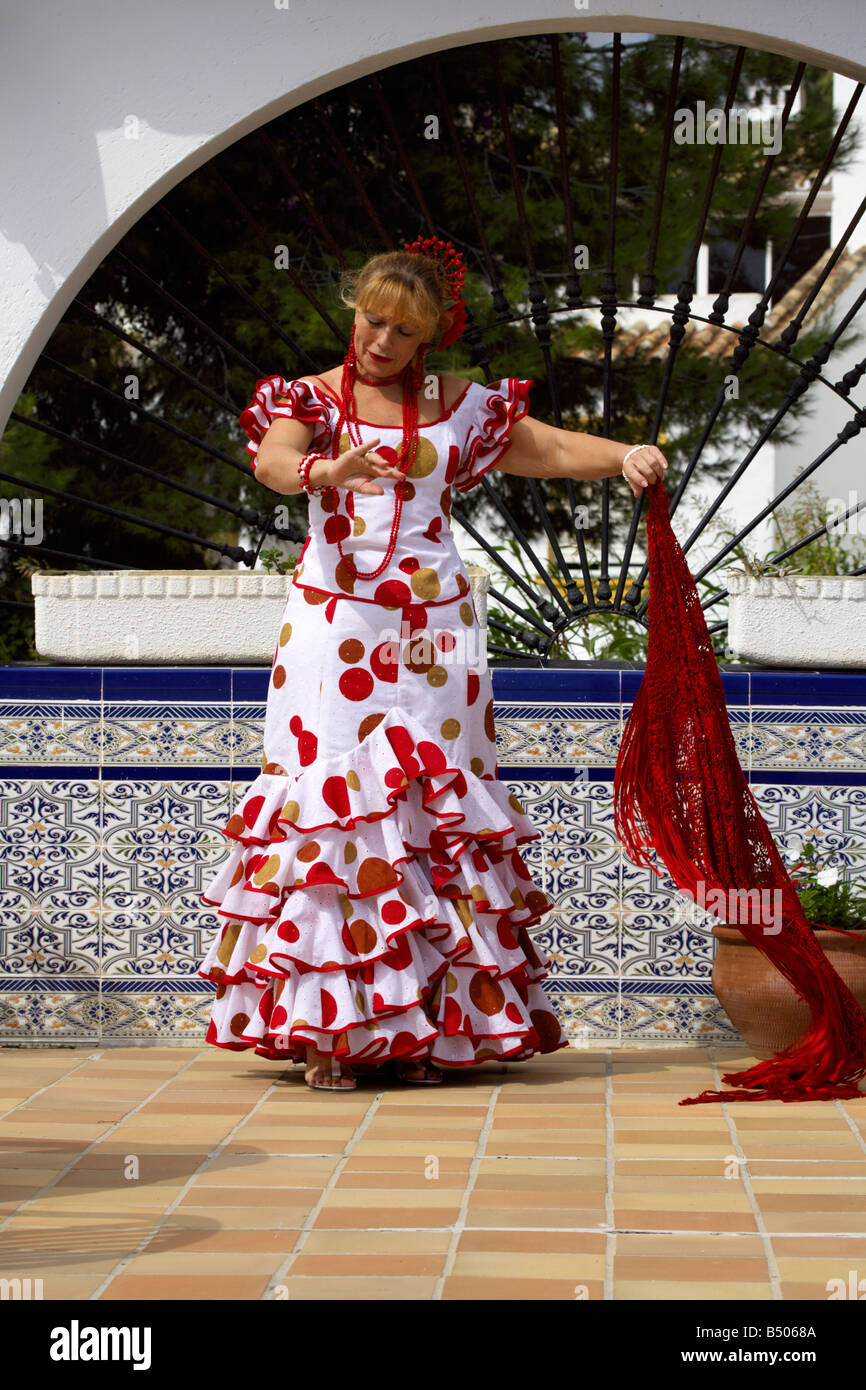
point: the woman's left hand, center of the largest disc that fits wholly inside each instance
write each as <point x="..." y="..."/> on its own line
<point x="644" y="468"/>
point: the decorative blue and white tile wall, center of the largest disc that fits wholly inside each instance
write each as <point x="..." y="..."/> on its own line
<point x="117" y="783"/>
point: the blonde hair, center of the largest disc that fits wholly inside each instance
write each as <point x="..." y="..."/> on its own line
<point x="413" y="286"/>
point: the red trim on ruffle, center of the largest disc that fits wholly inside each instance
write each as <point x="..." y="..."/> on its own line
<point x="487" y="440"/>
<point x="275" y="398"/>
<point x="531" y="1040"/>
<point x="466" y="595"/>
<point x="391" y="939"/>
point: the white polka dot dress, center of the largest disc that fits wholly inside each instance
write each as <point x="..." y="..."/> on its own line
<point x="375" y="903"/>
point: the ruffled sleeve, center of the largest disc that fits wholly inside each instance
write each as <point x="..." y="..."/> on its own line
<point x="499" y="406"/>
<point x="296" y="400"/>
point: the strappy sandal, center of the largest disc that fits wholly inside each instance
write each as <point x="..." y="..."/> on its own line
<point x="431" y="1076"/>
<point x="335" y="1083"/>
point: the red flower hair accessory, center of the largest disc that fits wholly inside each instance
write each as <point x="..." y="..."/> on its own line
<point x="452" y="263"/>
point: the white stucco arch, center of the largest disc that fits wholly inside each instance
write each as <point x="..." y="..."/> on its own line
<point x="200" y="75"/>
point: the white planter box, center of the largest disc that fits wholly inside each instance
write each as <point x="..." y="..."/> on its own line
<point x="172" y="617"/>
<point x="808" y="620"/>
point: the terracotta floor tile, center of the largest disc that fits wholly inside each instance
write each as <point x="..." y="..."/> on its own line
<point x="822" y="1179"/>
<point x="817" y="1150"/>
<point x="577" y="1185"/>
<point x="517" y="1148"/>
<point x="695" y="1245"/>
<point x="824" y="1142"/>
<point x="162" y="1108"/>
<point x="812" y="1200"/>
<point x="266" y="1198"/>
<point x="176" y="1263"/>
<point x="249" y="1242"/>
<point x="557" y="1218"/>
<point x="167" y="1287"/>
<point x="523" y="1290"/>
<point x="404" y="1182"/>
<point x="81" y="1232"/>
<point x="408" y="1148"/>
<point x="96" y="1180"/>
<point x="53" y="1120"/>
<point x="790" y="1222"/>
<point x="528" y="1202"/>
<point x="60" y="1266"/>
<point x="573" y="1167"/>
<point x="695" y="1126"/>
<point x="12" y="1131"/>
<point x="679" y="1268"/>
<point x="645" y="1107"/>
<point x="649" y="1201"/>
<point x="286" y="1181"/>
<point x="347" y="1242"/>
<point x="404" y="1199"/>
<point x="661" y="1141"/>
<point x="433" y="1138"/>
<point x="16" y="1156"/>
<point x="181" y="1166"/>
<point x="575" y="1111"/>
<point x="286" y="1147"/>
<point x="805" y="1292"/>
<point x="634" y="1218"/>
<point x="99" y="1204"/>
<point x="384" y="1288"/>
<point x="819" y="1269"/>
<point x="662" y="1182"/>
<point x="843" y="1247"/>
<point x="237" y="1218"/>
<point x="153" y="1147"/>
<point x="368" y="1218"/>
<point x="748" y="1122"/>
<point x="667" y="1167"/>
<point x="658" y="1291"/>
<point x="669" y="1152"/>
<point x="798" y="1168"/>
<point x="39" y="1177"/>
<point x="14" y="1194"/>
<point x="399" y="1163"/>
<point x="407" y="1115"/>
<point x="512" y="1264"/>
<point x="549" y="1133"/>
<point x="535" y="1242"/>
<point x="369" y="1265"/>
<point x="74" y="1288"/>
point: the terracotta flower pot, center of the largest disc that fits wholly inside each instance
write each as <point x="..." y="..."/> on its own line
<point x="760" y="1002"/>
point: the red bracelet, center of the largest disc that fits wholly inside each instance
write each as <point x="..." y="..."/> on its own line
<point x="304" y="467"/>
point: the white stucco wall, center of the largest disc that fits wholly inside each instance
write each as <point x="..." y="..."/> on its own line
<point x="104" y="107"/>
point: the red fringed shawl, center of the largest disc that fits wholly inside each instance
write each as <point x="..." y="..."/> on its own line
<point x="680" y="790"/>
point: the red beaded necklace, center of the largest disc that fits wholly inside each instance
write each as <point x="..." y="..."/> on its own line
<point x="413" y="377"/>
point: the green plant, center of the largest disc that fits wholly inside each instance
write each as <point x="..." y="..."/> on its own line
<point x="825" y="896"/>
<point x="757" y="567"/>
<point x="807" y="512"/>
<point x="273" y="559"/>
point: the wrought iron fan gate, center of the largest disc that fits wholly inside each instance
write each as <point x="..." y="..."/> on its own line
<point x="353" y="173"/>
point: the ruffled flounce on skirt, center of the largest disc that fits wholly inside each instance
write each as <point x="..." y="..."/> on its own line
<point x="380" y="909"/>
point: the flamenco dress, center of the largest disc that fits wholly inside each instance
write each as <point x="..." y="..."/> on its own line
<point x="375" y="903"/>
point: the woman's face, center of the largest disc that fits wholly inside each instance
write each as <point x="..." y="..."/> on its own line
<point x="384" y="343"/>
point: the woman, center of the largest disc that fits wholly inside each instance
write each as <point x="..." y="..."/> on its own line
<point x="376" y="904"/>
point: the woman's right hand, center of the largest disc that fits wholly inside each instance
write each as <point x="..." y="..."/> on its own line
<point x="355" y="469"/>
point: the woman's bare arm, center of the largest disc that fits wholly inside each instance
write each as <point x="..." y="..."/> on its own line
<point x="283" y="446"/>
<point x="538" y="450"/>
<point x="286" y="441"/>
